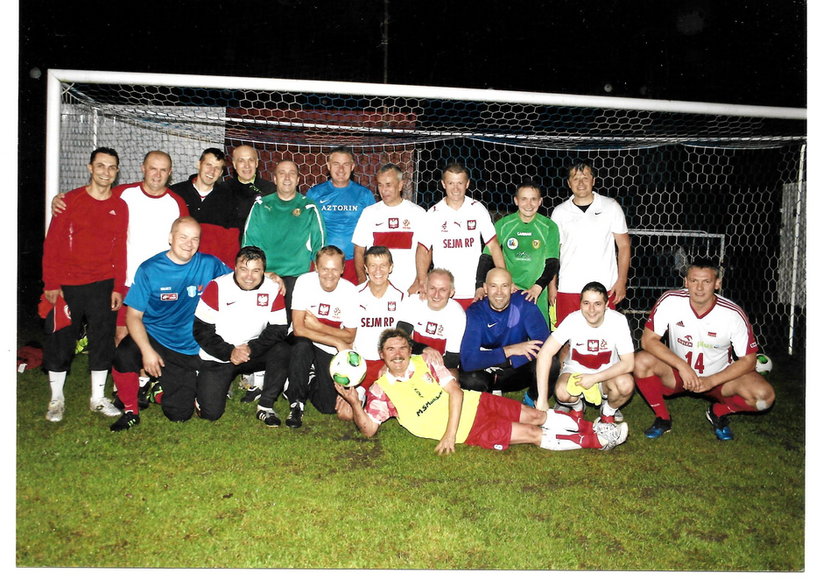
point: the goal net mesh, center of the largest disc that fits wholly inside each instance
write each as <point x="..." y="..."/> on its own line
<point x="729" y="186"/>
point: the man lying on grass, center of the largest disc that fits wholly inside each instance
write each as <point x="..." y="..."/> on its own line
<point x="428" y="402"/>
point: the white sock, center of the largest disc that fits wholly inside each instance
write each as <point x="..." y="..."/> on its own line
<point x="559" y="421"/>
<point x="142" y="380"/>
<point x="575" y="406"/>
<point x="258" y="378"/>
<point x="551" y="442"/>
<point x="606" y="409"/>
<point x="98" y="384"/>
<point x="57" y="379"/>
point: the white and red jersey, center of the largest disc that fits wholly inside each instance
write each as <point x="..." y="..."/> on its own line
<point x="374" y="315"/>
<point x="397" y="228"/>
<point x="591" y="349"/>
<point x="706" y="342"/>
<point x="587" y="249"/>
<point x="337" y="308"/>
<point x="240" y="315"/>
<point x="150" y="220"/>
<point x="456" y="239"/>
<point x="441" y="330"/>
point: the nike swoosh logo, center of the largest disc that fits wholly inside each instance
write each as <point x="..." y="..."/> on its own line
<point x="229" y="303"/>
<point x="491" y="325"/>
<point x="597" y="213"/>
<point x="322" y="201"/>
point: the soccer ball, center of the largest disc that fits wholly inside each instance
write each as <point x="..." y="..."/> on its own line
<point x="348" y="368"/>
<point x="763" y="365"/>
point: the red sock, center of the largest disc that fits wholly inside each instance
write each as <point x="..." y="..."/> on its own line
<point x="653" y="391"/>
<point x="731" y="405"/>
<point x="127" y="386"/>
<point x="607" y="419"/>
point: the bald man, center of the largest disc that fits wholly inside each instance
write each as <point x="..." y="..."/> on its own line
<point x="504" y="333"/>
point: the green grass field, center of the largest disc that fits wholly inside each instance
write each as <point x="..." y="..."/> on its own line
<point x="236" y="494"/>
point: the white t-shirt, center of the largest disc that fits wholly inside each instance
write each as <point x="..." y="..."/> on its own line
<point x="456" y="239"/>
<point x="587" y="249"/>
<point x="397" y="228"/>
<point x="337" y="308"/>
<point x="441" y="330"/>
<point x="703" y="341"/>
<point x="150" y="220"/>
<point x="592" y="350"/>
<point x="374" y="315"/>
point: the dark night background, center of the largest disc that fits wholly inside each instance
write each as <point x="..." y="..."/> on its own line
<point x="735" y="51"/>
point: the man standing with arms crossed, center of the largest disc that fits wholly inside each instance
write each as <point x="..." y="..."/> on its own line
<point x="590" y="226"/>
<point x="84" y="261"/>
<point x="457" y="228"/>
<point x="341" y="201"/>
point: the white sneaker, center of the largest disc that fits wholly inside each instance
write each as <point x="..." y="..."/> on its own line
<point x="55" y="413"/>
<point x="104" y="406"/>
<point x="611" y="435"/>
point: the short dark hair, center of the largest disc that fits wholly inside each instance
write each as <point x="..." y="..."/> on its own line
<point x="393" y="333"/>
<point x="342" y="149"/>
<point x="218" y="154"/>
<point x="377" y="251"/>
<point x="104" y="151"/>
<point x="329" y="250"/>
<point x="456" y="168"/>
<point x="704" y="263"/>
<point x="250" y="253"/>
<point x="531" y="185"/>
<point x="581" y="166"/>
<point x="598" y="287"/>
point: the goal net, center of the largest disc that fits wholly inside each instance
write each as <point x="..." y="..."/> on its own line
<point x="692" y="178"/>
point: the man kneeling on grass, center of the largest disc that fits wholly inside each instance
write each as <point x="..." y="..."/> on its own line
<point x="428" y="402"/>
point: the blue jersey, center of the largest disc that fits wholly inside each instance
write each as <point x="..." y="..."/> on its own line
<point x="167" y="293"/>
<point x="341" y="209"/>
<point x="488" y="331"/>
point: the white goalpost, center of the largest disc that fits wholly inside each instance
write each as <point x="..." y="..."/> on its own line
<point x="692" y="177"/>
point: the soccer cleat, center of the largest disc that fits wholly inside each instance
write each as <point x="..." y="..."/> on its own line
<point x="658" y="428"/>
<point x="125" y="422"/>
<point x="55" y="411"/>
<point x="268" y="417"/>
<point x="156" y="393"/>
<point x="295" y="419"/>
<point x="720" y="425"/>
<point x="104" y="406"/>
<point x="144" y="395"/>
<point x="252" y="395"/>
<point x="610" y="435"/>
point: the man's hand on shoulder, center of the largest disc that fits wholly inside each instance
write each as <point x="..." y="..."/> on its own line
<point x="58" y="203"/>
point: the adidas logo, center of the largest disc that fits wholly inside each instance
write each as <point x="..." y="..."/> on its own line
<point x="112" y="212"/>
<point x="681" y="325"/>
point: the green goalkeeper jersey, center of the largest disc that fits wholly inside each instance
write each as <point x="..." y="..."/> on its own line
<point x="526" y="246"/>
